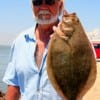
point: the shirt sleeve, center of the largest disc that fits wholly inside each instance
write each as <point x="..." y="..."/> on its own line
<point x="10" y="76"/>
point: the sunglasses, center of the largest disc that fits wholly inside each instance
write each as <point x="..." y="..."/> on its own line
<point x="39" y="2"/>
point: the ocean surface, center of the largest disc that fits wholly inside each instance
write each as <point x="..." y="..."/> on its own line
<point x="4" y="58"/>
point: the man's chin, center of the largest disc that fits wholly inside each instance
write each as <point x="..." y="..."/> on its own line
<point x="48" y="21"/>
<point x="45" y="22"/>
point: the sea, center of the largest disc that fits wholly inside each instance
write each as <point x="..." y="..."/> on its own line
<point x="4" y="59"/>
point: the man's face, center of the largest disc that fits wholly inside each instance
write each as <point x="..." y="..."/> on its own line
<point x="45" y="13"/>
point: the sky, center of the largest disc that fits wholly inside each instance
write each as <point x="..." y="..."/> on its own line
<point x="16" y="15"/>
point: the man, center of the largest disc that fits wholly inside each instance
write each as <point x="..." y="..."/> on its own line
<point x="26" y="74"/>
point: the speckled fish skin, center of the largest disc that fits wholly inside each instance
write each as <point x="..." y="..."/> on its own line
<point x="71" y="64"/>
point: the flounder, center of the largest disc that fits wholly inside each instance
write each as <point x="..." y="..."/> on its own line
<point x="71" y="64"/>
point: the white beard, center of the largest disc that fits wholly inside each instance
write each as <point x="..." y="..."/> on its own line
<point x="44" y="20"/>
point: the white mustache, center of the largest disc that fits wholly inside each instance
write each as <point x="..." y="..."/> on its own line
<point x="44" y="12"/>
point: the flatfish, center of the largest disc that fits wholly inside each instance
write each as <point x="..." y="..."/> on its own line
<point x="71" y="63"/>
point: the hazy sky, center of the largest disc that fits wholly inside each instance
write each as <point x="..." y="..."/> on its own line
<point x="16" y="15"/>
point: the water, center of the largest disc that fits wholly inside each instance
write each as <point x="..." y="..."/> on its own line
<point x="4" y="58"/>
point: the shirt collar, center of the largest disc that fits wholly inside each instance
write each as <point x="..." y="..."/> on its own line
<point x="30" y="35"/>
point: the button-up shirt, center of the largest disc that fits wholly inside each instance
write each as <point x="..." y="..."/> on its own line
<point x="22" y="69"/>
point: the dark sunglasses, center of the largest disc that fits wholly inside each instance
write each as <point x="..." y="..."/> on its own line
<point x="39" y="2"/>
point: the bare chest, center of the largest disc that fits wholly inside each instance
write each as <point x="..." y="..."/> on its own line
<point x="39" y="53"/>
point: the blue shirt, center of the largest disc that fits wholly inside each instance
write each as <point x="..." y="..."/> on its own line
<point x="22" y="70"/>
